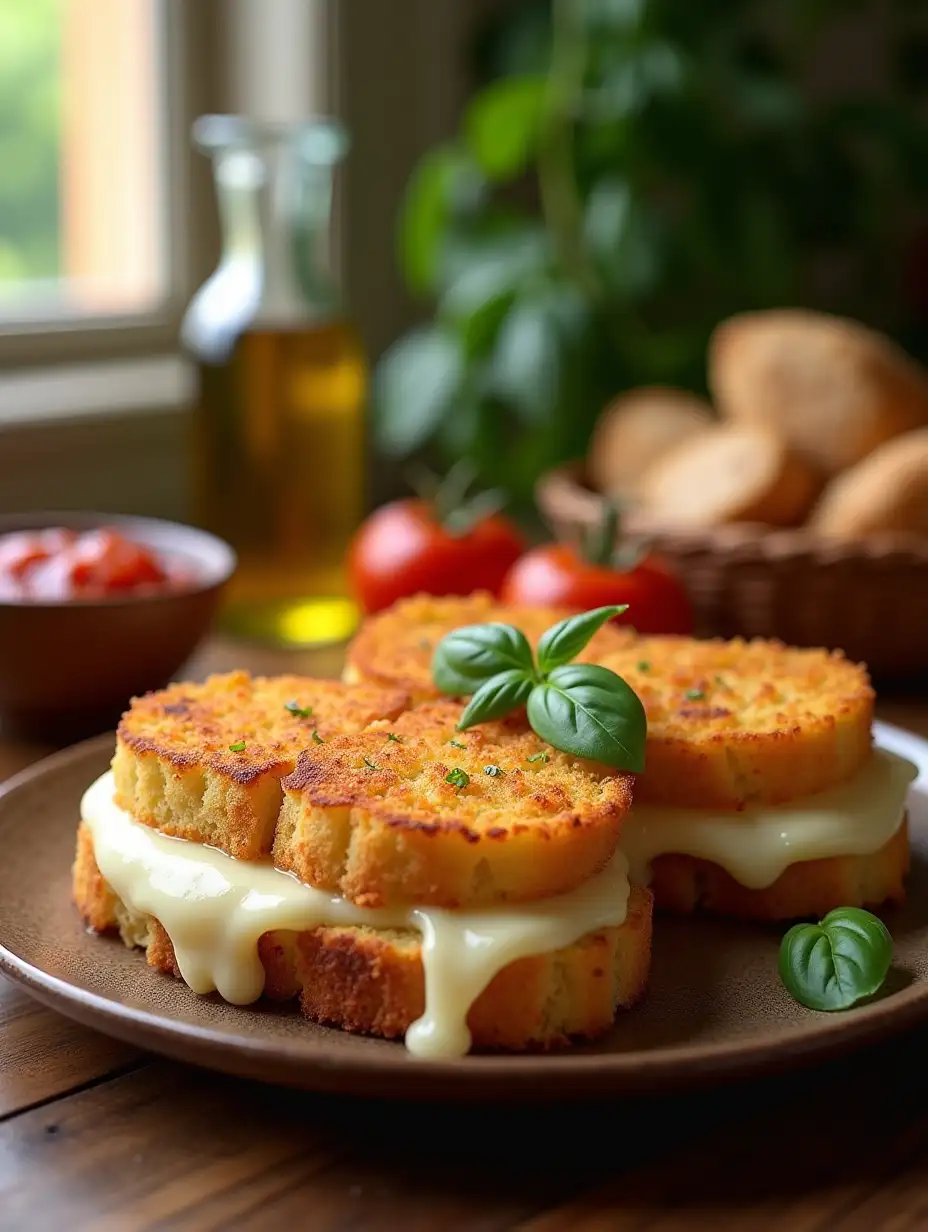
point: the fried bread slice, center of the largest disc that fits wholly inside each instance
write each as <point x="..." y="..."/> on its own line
<point x="204" y="761"/>
<point x="809" y="889"/>
<point x="414" y="811"/>
<point x="733" y="723"/>
<point x="395" y="648"/>
<point x="372" y="982"/>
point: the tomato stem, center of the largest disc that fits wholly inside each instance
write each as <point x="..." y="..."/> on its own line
<point x="604" y="546"/>
<point x="455" y="511"/>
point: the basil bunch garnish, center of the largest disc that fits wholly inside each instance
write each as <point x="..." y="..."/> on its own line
<point x="835" y="964"/>
<point x="581" y="709"/>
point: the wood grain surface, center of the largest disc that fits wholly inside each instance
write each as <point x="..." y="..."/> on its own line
<point x="94" y="1135"/>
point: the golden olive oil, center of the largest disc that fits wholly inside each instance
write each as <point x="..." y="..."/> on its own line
<point x="279" y="474"/>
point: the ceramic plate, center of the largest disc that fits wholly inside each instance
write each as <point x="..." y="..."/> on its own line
<point x="715" y="1007"/>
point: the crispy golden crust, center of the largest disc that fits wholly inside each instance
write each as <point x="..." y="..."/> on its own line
<point x="174" y="768"/>
<point x="687" y="886"/>
<point x="395" y="648"/>
<point x="375" y="818"/>
<point x="735" y="723"/>
<point x="369" y="982"/>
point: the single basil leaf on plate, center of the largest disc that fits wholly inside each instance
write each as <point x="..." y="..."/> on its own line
<point x="838" y="962"/>
<point x="497" y="697"/>
<point x="564" y="641"/>
<point x="467" y="657"/>
<point x="589" y="711"/>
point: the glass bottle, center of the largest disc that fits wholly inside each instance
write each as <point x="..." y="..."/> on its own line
<point x="279" y="431"/>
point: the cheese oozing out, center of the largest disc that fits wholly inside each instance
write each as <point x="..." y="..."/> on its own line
<point x="215" y="908"/>
<point x="757" y="845"/>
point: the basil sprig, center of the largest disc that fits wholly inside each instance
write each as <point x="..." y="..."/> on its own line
<point x="582" y="709"/>
<point x="838" y="962"/>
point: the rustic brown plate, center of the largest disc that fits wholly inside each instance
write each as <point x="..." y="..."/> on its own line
<point x="715" y="1008"/>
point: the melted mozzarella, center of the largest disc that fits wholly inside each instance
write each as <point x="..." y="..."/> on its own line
<point x="757" y="845"/>
<point x="215" y="908"/>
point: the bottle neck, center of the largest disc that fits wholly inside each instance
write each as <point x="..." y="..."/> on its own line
<point x="274" y="216"/>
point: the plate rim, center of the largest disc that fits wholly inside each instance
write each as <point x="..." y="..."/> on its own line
<point x="313" y="1064"/>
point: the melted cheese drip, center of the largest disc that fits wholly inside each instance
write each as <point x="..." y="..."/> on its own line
<point x="756" y="846"/>
<point x="215" y="909"/>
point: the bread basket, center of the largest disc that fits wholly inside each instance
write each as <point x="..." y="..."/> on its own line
<point x="869" y="599"/>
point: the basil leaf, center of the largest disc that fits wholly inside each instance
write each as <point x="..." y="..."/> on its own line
<point x="838" y="962"/>
<point x="497" y="697"/>
<point x="467" y="657"/>
<point x="564" y="641"/>
<point x="590" y="712"/>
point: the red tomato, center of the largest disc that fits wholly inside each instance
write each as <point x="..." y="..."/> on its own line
<point x="556" y="575"/>
<point x="403" y="549"/>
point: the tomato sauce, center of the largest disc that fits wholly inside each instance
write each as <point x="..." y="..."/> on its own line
<point x="58" y="564"/>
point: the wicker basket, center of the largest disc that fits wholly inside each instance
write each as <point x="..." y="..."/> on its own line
<point x="869" y="599"/>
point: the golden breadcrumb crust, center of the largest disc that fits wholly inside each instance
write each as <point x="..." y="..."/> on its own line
<point x="372" y="982"/>
<point x="175" y="767"/>
<point x="687" y="886"/>
<point x="377" y="820"/>
<point x="395" y="647"/>
<point x="736" y="723"/>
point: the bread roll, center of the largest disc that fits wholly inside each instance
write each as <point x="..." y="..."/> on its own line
<point x="886" y="492"/>
<point x="730" y="473"/>
<point x="636" y="429"/>
<point x="832" y="388"/>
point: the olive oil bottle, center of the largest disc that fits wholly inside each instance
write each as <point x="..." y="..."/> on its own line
<point x="279" y="421"/>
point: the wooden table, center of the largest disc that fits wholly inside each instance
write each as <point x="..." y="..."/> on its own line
<point x="96" y="1135"/>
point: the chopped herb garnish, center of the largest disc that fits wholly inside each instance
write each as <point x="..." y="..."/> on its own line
<point x="370" y="765"/>
<point x="720" y="682"/>
<point x="542" y="757"/>
<point x="456" y="744"/>
<point x="317" y="739"/>
<point x="298" y="711"/>
<point x="695" y="695"/>
<point x="457" y="778"/>
<point x="238" y="747"/>
<point x="394" y="737"/>
<point x="493" y="771"/>
<point x="644" y="665"/>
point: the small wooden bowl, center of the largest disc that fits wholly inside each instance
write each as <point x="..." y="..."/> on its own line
<point x="69" y="669"/>
<point x="869" y="599"/>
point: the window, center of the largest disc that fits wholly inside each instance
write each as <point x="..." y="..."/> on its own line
<point x="82" y="198"/>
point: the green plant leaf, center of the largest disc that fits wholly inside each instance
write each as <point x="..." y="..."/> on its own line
<point x="441" y="178"/>
<point x="502" y="125"/>
<point x="497" y="697"/>
<point x="623" y="238"/>
<point x="468" y="656"/>
<point x="589" y="711"/>
<point x="838" y="962"/>
<point x="526" y="364"/>
<point x="564" y="641"/>
<point x="415" y="386"/>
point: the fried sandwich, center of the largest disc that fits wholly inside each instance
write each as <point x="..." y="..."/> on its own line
<point x="394" y="648"/>
<point x="762" y="796"/>
<point x="338" y="845"/>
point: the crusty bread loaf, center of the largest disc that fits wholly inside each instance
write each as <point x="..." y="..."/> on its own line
<point x="394" y="648"/>
<point x="886" y="493"/>
<point x="832" y="388"/>
<point x="732" y="723"/>
<point x="178" y="766"/>
<point x="377" y="820"/>
<point x="636" y="429"/>
<point x="372" y="982"/>
<point x="729" y="473"/>
<point x="687" y="886"/>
